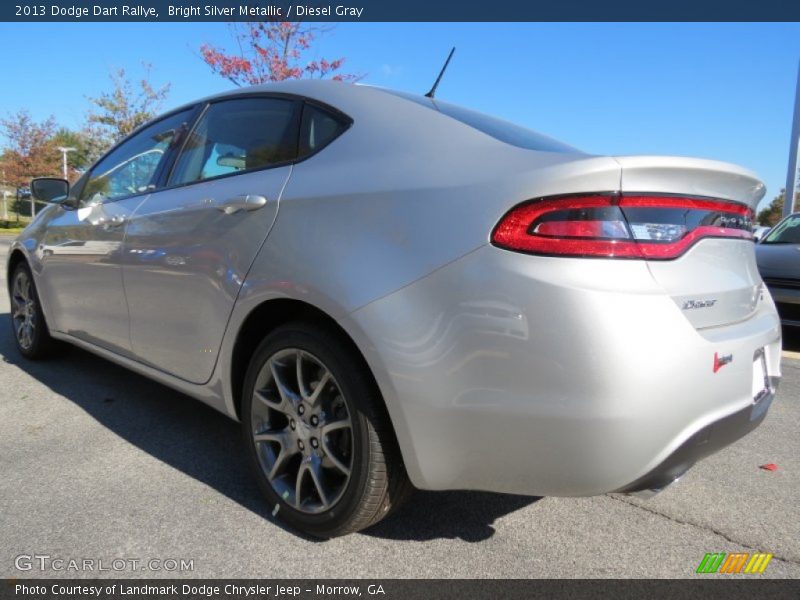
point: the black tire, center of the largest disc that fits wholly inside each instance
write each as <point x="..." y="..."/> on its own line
<point x="376" y="482"/>
<point x="38" y="343"/>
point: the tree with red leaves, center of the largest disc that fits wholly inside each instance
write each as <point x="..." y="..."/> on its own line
<point x="30" y="149"/>
<point x="272" y="51"/>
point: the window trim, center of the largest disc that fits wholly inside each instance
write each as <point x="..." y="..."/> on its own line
<point x="198" y="109"/>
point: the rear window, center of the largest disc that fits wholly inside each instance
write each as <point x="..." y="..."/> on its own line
<point x="499" y="129"/>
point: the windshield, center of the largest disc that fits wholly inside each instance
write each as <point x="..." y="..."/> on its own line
<point x="785" y="232"/>
<point x="499" y="129"/>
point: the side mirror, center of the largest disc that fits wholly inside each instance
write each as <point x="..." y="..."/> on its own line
<point x="50" y="189"/>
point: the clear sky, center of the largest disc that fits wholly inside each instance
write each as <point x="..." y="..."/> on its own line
<point x="722" y="91"/>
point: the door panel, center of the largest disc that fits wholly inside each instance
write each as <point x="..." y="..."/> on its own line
<point x="188" y="248"/>
<point x="81" y="251"/>
<point x="185" y="258"/>
<point x="81" y="276"/>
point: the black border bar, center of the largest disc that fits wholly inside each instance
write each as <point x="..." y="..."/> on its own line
<point x="400" y="10"/>
<point x="713" y="587"/>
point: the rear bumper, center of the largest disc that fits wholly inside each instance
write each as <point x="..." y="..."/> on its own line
<point x="536" y="375"/>
<point x="705" y="442"/>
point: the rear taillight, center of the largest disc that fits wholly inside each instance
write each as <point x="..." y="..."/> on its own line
<point x="619" y="226"/>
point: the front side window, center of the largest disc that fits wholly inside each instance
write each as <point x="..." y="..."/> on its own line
<point x="131" y="168"/>
<point x="238" y="135"/>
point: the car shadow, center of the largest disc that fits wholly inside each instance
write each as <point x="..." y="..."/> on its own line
<point x="204" y="444"/>
<point x="468" y="516"/>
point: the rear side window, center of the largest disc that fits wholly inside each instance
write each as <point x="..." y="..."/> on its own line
<point x="238" y="135"/>
<point x="318" y="128"/>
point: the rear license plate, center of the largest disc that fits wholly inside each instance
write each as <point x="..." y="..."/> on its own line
<point x="760" y="382"/>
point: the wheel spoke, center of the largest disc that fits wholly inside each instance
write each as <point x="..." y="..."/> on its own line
<point x="278" y="405"/>
<point x="336" y="425"/>
<point x="298" y="486"/>
<point x="301" y="386"/>
<point x="288" y="400"/>
<point x="18" y="295"/>
<point x="312" y="396"/>
<point x="279" y="437"/>
<point x="333" y="458"/>
<point x="22" y="288"/>
<point x="324" y="380"/>
<point x="18" y="289"/>
<point x="328" y="429"/>
<point x="280" y="463"/>
<point x="287" y="449"/>
<point x="311" y="467"/>
<point x="315" y="468"/>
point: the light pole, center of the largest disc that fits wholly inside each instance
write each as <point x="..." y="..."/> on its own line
<point x="791" y="174"/>
<point x="64" y="151"/>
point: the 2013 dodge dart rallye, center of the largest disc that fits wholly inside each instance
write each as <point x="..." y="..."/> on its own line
<point x="389" y="290"/>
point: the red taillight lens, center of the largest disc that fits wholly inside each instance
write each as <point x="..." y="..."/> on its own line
<point x="614" y="226"/>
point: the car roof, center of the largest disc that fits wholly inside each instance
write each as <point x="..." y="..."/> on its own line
<point x="324" y="90"/>
<point x="358" y="100"/>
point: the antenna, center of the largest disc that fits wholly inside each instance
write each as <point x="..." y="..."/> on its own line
<point x="439" y="78"/>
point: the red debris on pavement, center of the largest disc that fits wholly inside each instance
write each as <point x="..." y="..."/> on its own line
<point x="769" y="467"/>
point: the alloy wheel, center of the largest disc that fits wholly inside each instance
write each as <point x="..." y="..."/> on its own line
<point x="23" y="309"/>
<point x="303" y="431"/>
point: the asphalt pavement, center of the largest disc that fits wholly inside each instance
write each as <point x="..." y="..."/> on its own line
<point x="100" y="464"/>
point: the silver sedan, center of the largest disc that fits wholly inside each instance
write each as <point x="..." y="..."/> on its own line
<point x="390" y="291"/>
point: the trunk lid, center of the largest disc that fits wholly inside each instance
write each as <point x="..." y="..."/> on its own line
<point x="716" y="281"/>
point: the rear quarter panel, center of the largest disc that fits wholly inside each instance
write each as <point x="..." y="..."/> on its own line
<point x="386" y="205"/>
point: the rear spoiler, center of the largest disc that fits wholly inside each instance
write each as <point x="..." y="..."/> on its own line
<point x="690" y="177"/>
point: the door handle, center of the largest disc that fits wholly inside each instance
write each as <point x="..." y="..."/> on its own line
<point x="115" y="221"/>
<point x="242" y="202"/>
